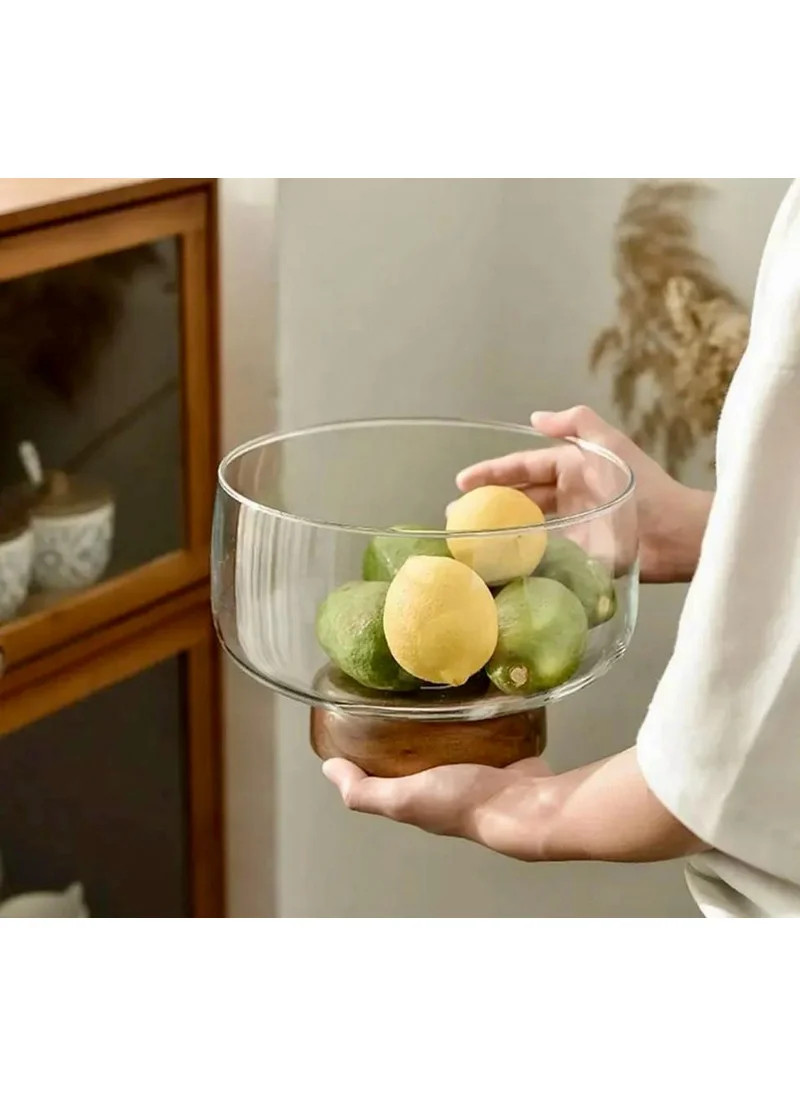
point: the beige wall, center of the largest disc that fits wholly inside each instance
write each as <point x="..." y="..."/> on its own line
<point x="249" y="408"/>
<point x="466" y="297"/>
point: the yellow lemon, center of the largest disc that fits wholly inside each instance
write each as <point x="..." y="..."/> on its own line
<point x="440" y="620"/>
<point x="497" y="559"/>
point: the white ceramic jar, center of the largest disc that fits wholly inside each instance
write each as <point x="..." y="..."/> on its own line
<point x="73" y="528"/>
<point x="16" y="563"/>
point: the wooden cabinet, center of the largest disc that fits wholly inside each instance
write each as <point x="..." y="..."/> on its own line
<point x="109" y="681"/>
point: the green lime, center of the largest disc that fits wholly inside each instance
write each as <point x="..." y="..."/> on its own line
<point x="591" y="582"/>
<point x="542" y="635"/>
<point x="350" y="632"/>
<point x="385" y="555"/>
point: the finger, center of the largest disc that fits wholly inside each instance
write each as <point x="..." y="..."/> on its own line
<point x="515" y="470"/>
<point x="366" y="794"/>
<point x="344" y="775"/>
<point x="575" y="422"/>
<point x="546" y="498"/>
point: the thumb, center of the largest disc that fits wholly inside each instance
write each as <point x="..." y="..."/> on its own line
<point x="346" y="776"/>
<point x="576" y="422"/>
<point x="366" y="794"/>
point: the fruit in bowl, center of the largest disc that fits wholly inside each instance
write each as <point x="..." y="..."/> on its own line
<point x="589" y="579"/>
<point x="440" y="620"/>
<point x="351" y="633"/>
<point x="386" y="555"/>
<point x="516" y="608"/>
<point x="542" y="634"/>
<point x="497" y="559"/>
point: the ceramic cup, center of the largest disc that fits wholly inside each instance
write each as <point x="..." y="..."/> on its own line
<point x="73" y="529"/>
<point x="16" y="563"/>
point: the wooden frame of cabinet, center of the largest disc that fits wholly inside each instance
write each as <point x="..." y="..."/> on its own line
<point x="116" y="629"/>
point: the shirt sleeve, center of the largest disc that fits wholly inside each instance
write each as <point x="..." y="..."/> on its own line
<point x="720" y="745"/>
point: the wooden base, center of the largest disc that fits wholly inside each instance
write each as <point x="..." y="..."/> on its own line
<point x="399" y="747"/>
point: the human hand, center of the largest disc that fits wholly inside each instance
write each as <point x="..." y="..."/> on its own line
<point x="671" y="517"/>
<point x="603" y="811"/>
<point x="489" y="806"/>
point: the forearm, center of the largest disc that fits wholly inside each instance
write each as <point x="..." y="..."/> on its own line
<point x="604" y="811"/>
<point x="680" y="540"/>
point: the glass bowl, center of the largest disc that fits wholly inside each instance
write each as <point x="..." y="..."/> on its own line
<point x="296" y="513"/>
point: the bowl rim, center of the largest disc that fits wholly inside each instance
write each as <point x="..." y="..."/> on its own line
<point x="563" y="522"/>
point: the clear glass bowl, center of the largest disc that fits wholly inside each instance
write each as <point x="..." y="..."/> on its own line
<point x="296" y="512"/>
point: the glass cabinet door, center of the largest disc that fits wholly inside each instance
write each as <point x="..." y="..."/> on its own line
<point x="116" y="788"/>
<point x="95" y="796"/>
<point x="106" y="419"/>
<point x="90" y="375"/>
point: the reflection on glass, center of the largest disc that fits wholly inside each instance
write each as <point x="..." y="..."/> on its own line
<point x="90" y="363"/>
<point x="95" y="795"/>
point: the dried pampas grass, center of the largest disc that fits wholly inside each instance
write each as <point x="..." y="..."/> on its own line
<point x="680" y="332"/>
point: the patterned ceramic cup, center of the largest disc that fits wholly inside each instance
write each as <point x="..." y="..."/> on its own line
<point x="16" y="562"/>
<point x="73" y="528"/>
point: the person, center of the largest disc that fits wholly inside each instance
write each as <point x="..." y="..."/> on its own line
<point x="714" y="775"/>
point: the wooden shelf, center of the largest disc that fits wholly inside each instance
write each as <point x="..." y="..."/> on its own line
<point x="101" y="658"/>
<point x="68" y="618"/>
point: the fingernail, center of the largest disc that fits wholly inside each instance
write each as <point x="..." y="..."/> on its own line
<point x="539" y="415"/>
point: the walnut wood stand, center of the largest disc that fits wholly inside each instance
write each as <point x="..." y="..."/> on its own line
<point x="384" y="746"/>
